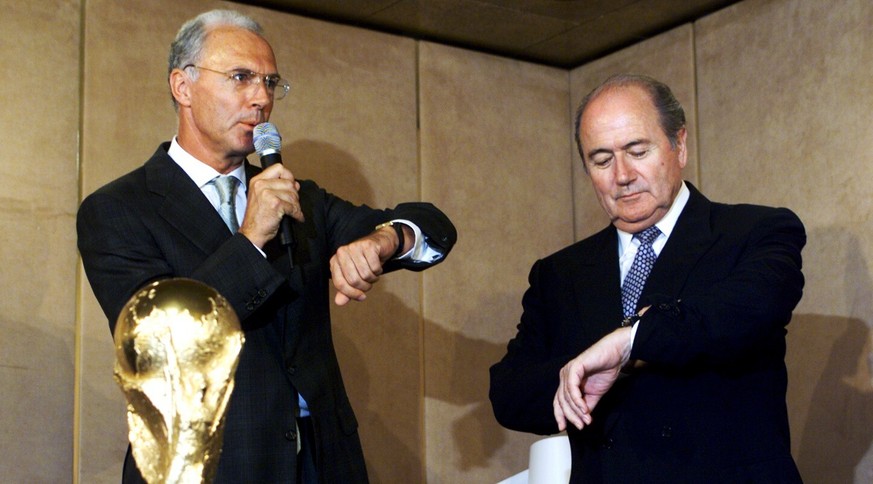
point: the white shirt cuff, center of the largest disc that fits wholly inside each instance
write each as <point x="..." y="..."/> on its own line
<point x="420" y="251"/>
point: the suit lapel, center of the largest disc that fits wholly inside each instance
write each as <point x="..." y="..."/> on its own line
<point x="691" y="239"/>
<point x="183" y="204"/>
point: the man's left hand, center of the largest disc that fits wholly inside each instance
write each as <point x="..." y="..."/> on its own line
<point x="357" y="266"/>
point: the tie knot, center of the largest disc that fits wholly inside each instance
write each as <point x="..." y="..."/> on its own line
<point x="648" y="235"/>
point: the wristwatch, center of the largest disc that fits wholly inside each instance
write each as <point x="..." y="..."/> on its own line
<point x="629" y="321"/>
<point x="399" y="230"/>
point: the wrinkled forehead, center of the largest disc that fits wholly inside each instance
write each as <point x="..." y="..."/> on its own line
<point x="619" y="112"/>
<point x="234" y="47"/>
<point x="618" y="101"/>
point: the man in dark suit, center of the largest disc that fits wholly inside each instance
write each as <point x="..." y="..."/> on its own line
<point x="289" y="418"/>
<point x="685" y="381"/>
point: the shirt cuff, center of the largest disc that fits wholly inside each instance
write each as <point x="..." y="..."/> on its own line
<point x="421" y="250"/>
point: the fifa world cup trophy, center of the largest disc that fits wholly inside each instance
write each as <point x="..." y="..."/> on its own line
<point x="177" y="344"/>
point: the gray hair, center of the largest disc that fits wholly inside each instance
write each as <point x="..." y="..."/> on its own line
<point x="671" y="116"/>
<point x="187" y="48"/>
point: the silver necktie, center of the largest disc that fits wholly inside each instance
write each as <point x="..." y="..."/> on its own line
<point x="226" y="186"/>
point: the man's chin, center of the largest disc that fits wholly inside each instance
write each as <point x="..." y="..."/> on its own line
<point x="633" y="225"/>
<point x="244" y="149"/>
<point x="245" y="143"/>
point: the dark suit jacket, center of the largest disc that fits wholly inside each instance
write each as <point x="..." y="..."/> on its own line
<point x="709" y="406"/>
<point x="155" y="223"/>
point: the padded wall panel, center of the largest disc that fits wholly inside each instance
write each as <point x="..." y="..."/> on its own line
<point x="39" y="88"/>
<point x="495" y="156"/>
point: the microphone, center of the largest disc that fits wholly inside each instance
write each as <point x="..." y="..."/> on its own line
<point x="268" y="145"/>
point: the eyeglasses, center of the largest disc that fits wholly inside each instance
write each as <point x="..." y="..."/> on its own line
<point x="243" y="79"/>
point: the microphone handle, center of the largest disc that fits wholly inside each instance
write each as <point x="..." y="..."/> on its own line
<point x="286" y="235"/>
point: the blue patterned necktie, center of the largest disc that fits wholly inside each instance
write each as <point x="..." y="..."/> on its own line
<point x="226" y="186"/>
<point x="639" y="271"/>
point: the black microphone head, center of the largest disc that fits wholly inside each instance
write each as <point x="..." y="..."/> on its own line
<point x="267" y="139"/>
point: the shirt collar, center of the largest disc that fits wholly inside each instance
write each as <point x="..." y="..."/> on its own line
<point x="200" y="172"/>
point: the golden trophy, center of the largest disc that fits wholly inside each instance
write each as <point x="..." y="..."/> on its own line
<point x="177" y="344"/>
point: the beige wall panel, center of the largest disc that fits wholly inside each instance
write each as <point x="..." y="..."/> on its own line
<point x="39" y="88"/>
<point x="784" y="109"/>
<point x="495" y="157"/>
<point x="349" y="123"/>
<point x="669" y="58"/>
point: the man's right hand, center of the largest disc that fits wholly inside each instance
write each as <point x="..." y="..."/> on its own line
<point x="586" y="378"/>
<point x="271" y="195"/>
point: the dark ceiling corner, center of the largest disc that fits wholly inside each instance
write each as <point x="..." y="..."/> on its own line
<point x="558" y="33"/>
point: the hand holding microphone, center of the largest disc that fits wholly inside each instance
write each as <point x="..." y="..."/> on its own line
<point x="272" y="192"/>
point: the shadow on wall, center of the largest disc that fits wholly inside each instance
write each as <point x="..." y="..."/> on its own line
<point x="830" y="362"/>
<point x="458" y="374"/>
<point x="36" y="375"/>
<point x="376" y="337"/>
<point x="465" y="379"/>
<point x="838" y="430"/>
<point x="335" y="170"/>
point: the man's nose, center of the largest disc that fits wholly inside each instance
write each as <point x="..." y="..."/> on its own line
<point x="624" y="170"/>
<point x="261" y="96"/>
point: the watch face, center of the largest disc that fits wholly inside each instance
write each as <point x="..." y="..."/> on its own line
<point x="629" y="321"/>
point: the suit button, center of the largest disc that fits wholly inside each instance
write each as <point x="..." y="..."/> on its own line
<point x="250" y="306"/>
<point x="262" y="293"/>
<point x="608" y="443"/>
<point x="667" y="432"/>
<point x="292" y="369"/>
<point x="291" y="435"/>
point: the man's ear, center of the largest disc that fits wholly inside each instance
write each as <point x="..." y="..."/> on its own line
<point x="682" y="146"/>
<point x="180" y="87"/>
